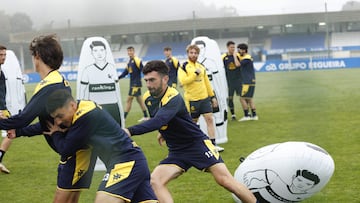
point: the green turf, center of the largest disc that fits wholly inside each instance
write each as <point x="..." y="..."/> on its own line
<point x="321" y="107"/>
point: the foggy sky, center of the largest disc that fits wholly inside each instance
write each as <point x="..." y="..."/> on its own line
<point x="91" y="12"/>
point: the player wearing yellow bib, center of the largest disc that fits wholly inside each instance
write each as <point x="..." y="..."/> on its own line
<point x="198" y="94"/>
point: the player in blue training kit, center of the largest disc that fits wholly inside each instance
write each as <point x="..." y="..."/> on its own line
<point x="127" y="177"/>
<point x="6" y="142"/>
<point x="248" y="84"/>
<point x="73" y="173"/>
<point x="173" y="64"/>
<point x="231" y="60"/>
<point x="188" y="145"/>
<point x="134" y="68"/>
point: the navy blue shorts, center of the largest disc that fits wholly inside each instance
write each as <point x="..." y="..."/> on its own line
<point x="134" y="91"/>
<point x="75" y="173"/>
<point x="129" y="181"/>
<point x="234" y="88"/>
<point x="200" y="107"/>
<point x="247" y="90"/>
<point x="201" y="155"/>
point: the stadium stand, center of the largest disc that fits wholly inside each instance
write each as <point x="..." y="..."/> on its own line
<point x="345" y="39"/>
<point x="295" y="46"/>
<point x="299" y="42"/>
<point x="222" y="42"/>
<point x="115" y="47"/>
<point x="267" y="36"/>
<point x="155" y="50"/>
<point x="122" y="53"/>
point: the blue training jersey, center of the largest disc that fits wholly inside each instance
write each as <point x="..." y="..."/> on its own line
<point x="247" y="69"/>
<point x="95" y="127"/>
<point x="173" y="64"/>
<point x="233" y="73"/>
<point x="134" y="68"/>
<point x="36" y="108"/>
<point x="170" y="116"/>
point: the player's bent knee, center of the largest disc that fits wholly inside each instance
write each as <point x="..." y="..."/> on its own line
<point x="208" y="117"/>
<point x="66" y="196"/>
<point x="157" y="181"/>
<point x="103" y="197"/>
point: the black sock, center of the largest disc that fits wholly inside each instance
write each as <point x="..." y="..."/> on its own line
<point x="253" y="112"/>
<point x="213" y="142"/>
<point x="125" y="114"/>
<point x="2" y="153"/>
<point x="145" y="114"/>
<point x="231" y="106"/>
<point x="246" y="113"/>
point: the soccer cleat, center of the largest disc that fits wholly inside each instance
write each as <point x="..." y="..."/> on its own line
<point x="255" y="118"/>
<point x="143" y="119"/>
<point x="233" y="118"/>
<point x="219" y="149"/>
<point x="4" y="169"/>
<point x="245" y="118"/>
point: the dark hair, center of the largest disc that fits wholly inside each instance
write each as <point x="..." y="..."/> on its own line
<point x="230" y="43"/>
<point x="96" y="44"/>
<point x="58" y="99"/>
<point x="308" y="175"/>
<point x="242" y="46"/>
<point x="157" y="66"/>
<point x="2" y="47"/>
<point x="48" y="49"/>
<point x="130" y="47"/>
<point x="200" y="42"/>
<point x="167" y="48"/>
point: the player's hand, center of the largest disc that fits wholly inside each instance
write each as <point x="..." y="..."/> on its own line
<point x="2" y="115"/>
<point x="198" y="71"/>
<point x="53" y="128"/>
<point x="127" y="131"/>
<point x="11" y="134"/>
<point x="160" y="139"/>
<point x="214" y="102"/>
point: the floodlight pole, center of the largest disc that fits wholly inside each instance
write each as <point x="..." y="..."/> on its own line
<point x="327" y="31"/>
<point x="194" y="24"/>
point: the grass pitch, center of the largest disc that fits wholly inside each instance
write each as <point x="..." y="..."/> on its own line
<point x="321" y="107"/>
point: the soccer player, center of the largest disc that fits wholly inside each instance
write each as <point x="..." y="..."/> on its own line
<point x="248" y="84"/>
<point x="127" y="177"/>
<point x="6" y="142"/>
<point x="188" y="146"/>
<point x="173" y="64"/>
<point x="74" y="174"/>
<point x="231" y="61"/>
<point x="198" y="94"/>
<point x="134" y="68"/>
